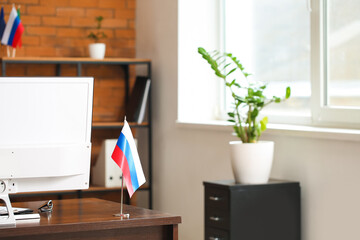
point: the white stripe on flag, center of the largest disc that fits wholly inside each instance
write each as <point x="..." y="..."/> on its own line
<point x="129" y="137"/>
<point x="10" y="23"/>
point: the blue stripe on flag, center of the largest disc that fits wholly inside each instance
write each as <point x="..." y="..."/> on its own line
<point x="13" y="30"/>
<point x="125" y="147"/>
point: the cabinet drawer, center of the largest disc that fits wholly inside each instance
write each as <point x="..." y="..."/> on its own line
<point x="216" y="234"/>
<point x="216" y="198"/>
<point x="217" y="218"/>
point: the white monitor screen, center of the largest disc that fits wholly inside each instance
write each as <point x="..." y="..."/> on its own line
<point x="45" y="132"/>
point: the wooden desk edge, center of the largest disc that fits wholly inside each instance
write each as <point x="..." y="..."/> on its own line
<point x="163" y="219"/>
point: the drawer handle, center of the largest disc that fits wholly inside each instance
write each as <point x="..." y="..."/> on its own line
<point x="214" y="238"/>
<point x="213" y="198"/>
<point x="216" y="219"/>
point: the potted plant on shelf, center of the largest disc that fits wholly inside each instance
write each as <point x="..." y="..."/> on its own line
<point x="97" y="50"/>
<point x="251" y="159"/>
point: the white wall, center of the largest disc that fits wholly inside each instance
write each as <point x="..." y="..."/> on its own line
<point x="328" y="170"/>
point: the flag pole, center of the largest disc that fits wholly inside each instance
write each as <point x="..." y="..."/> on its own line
<point x="122" y="215"/>
<point x="122" y="194"/>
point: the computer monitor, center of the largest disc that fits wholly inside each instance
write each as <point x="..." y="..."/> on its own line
<point x="45" y="134"/>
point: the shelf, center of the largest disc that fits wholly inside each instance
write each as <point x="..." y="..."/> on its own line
<point x="104" y="125"/>
<point x="55" y="60"/>
<point x="67" y="192"/>
<point x="106" y="193"/>
<point x="100" y="188"/>
<point x="79" y="63"/>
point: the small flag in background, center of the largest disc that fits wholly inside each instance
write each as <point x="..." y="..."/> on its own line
<point x="18" y="12"/>
<point x="2" y="22"/>
<point x="127" y="158"/>
<point x="13" y="30"/>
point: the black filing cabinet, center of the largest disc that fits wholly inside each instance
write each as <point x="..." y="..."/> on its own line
<point x="268" y="211"/>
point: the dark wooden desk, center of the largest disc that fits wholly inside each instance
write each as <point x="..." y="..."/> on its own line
<point x="91" y="218"/>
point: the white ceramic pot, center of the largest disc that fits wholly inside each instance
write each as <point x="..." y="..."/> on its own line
<point x="97" y="50"/>
<point x="251" y="162"/>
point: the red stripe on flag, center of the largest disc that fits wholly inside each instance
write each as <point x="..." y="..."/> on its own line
<point x="17" y="36"/>
<point x="119" y="157"/>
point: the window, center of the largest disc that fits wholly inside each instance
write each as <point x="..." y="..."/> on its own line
<point x="313" y="49"/>
<point x="342" y="38"/>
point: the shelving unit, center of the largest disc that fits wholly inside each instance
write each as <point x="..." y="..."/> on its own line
<point x="125" y="64"/>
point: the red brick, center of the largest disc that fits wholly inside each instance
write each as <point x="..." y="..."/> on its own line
<point x="49" y="41"/>
<point x="15" y="70"/>
<point x="17" y="2"/>
<point x="106" y="13"/>
<point x="122" y="52"/>
<point x="68" y="70"/>
<point x="40" y="70"/>
<point x="112" y="4"/>
<point x="131" y="24"/>
<point x="82" y="42"/>
<point x="125" y="14"/>
<point x="125" y="33"/>
<point x="30" y="40"/>
<point x="114" y="23"/>
<point x="105" y="114"/>
<point x="107" y="75"/>
<point x="70" y="12"/>
<point x="121" y="43"/>
<point x="55" y="3"/>
<point x="83" y="22"/>
<point x="20" y="52"/>
<point x="40" y="51"/>
<point x="56" y="21"/>
<point x="30" y="20"/>
<point x="84" y="3"/>
<point x="131" y="4"/>
<point x="70" y="32"/>
<point x="40" y="10"/>
<point x="34" y="30"/>
<point x="70" y="52"/>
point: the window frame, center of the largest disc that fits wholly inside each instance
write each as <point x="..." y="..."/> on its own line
<point x="321" y="114"/>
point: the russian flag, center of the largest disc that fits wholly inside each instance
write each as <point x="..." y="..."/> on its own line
<point x="13" y="30"/>
<point x="127" y="158"/>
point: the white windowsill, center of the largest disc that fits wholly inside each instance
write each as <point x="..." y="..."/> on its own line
<point x="281" y="129"/>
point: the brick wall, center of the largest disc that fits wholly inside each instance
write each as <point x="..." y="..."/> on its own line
<point x="59" y="28"/>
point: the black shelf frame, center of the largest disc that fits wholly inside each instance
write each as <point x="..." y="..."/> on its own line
<point x="125" y="63"/>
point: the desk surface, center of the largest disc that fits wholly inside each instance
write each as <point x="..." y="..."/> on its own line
<point x="92" y="219"/>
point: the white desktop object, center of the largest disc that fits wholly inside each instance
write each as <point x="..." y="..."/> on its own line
<point x="45" y="133"/>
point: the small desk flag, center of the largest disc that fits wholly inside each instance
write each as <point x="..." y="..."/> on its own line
<point x="127" y="158"/>
<point x="2" y="22"/>
<point x="13" y="30"/>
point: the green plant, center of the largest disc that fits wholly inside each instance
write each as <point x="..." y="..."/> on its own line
<point x="247" y="105"/>
<point x="99" y="34"/>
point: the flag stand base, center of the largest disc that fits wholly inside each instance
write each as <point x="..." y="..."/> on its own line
<point x="122" y="215"/>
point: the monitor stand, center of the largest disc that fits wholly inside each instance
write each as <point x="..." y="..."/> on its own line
<point x="4" y="195"/>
